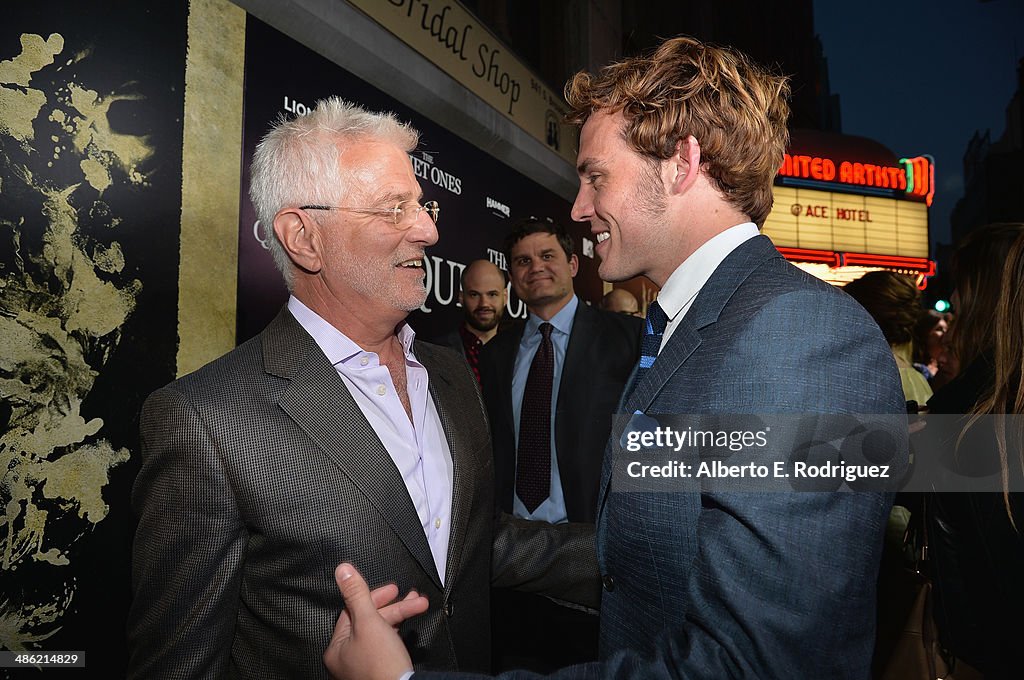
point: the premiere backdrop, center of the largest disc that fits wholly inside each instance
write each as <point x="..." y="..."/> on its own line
<point x="129" y="254"/>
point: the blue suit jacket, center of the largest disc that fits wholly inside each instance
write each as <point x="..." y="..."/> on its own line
<point x="749" y="585"/>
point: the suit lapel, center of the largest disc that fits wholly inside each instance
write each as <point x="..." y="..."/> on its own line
<point x="640" y="394"/>
<point x="706" y="309"/>
<point x="683" y="342"/>
<point x="320" y="404"/>
<point x="686" y="338"/>
<point x="447" y="401"/>
<point x="508" y="367"/>
<point x="580" y="339"/>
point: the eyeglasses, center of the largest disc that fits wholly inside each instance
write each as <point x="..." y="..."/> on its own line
<point x="403" y="215"/>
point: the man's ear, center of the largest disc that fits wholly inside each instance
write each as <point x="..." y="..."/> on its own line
<point x="574" y="264"/>
<point x="684" y="165"/>
<point x="300" y="238"/>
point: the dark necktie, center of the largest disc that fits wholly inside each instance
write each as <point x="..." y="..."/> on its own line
<point x="533" y="458"/>
<point x="654" y="328"/>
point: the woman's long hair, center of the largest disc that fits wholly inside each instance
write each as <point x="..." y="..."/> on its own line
<point x="988" y="271"/>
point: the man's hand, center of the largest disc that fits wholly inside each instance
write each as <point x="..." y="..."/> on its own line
<point x="365" y="644"/>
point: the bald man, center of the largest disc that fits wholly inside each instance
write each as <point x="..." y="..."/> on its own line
<point x="620" y="301"/>
<point x="483" y="297"/>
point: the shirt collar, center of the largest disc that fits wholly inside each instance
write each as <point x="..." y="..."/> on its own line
<point x="406" y="335"/>
<point x="468" y="336"/>
<point x="689" y="277"/>
<point x="337" y="346"/>
<point x="562" y="321"/>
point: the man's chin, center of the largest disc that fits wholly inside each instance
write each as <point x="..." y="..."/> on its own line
<point x="414" y="303"/>
<point x="606" y="272"/>
<point x="483" y="327"/>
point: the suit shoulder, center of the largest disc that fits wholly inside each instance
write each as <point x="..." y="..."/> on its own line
<point x="617" y="328"/>
<point x="816" y="333"/>
<point x="782" y="284"/>
<point x="806" y="307"/>
<point x="779" y="273"/>
<point x="215" y="393"/>
<point x="615" y="320"/>
<point x="239" y="364"/>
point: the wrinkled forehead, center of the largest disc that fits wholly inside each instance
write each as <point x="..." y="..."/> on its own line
<point x="375" y="171"/>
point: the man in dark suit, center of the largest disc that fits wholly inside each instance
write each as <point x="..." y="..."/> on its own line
<point x="333" y="435"/>
<point x="593" y="352"/>
<point x="677" y="156"/>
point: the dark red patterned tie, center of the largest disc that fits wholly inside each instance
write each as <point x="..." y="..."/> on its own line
<point x="533" y="458"/>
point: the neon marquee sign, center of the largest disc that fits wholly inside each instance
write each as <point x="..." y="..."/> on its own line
<point x="914" y="176"/>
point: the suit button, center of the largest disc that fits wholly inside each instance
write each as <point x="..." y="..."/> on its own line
<point x="448" y="608"/>
<point x="608" y="582"/>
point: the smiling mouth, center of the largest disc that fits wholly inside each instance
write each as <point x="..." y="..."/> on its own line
<point x="412" y="264"/>
<point x="603" y="236"/>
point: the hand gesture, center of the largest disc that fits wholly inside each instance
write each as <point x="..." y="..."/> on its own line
<point x="365" y="644"/>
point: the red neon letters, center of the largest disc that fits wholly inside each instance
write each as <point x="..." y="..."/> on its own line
<point x="826" y="170"/>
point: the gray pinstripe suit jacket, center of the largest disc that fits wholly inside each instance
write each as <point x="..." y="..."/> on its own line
<point x="746" y="585"/>
<point x="260" y="474"/>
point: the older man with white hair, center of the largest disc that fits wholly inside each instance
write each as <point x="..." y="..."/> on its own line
<point x="331" y="436"/>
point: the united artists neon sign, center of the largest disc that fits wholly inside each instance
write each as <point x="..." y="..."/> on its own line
<point x="914" y="176"/>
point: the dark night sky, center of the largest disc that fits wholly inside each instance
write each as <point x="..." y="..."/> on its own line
<point x="922" y="76"/>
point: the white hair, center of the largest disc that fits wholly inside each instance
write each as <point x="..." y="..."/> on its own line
<point x="297" y="161"/>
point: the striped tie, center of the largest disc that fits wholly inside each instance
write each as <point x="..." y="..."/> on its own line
<point x="651" y="342"/>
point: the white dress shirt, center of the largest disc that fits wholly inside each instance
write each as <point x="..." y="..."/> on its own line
<point x="418" y="447"/>
<point x="681" y="289"/>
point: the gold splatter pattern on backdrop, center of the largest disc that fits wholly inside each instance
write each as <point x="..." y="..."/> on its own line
<point x="21" y="104"/>
<point x="63" y="302"/>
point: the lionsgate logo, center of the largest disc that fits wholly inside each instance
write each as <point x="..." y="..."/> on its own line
<point x="497" y="207"/>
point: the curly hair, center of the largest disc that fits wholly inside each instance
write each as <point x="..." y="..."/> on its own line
<point x="734" y="108"/>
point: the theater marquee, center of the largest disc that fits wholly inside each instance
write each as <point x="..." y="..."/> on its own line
<point x="827" y="220"/>
<point x="838" y="218"/>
